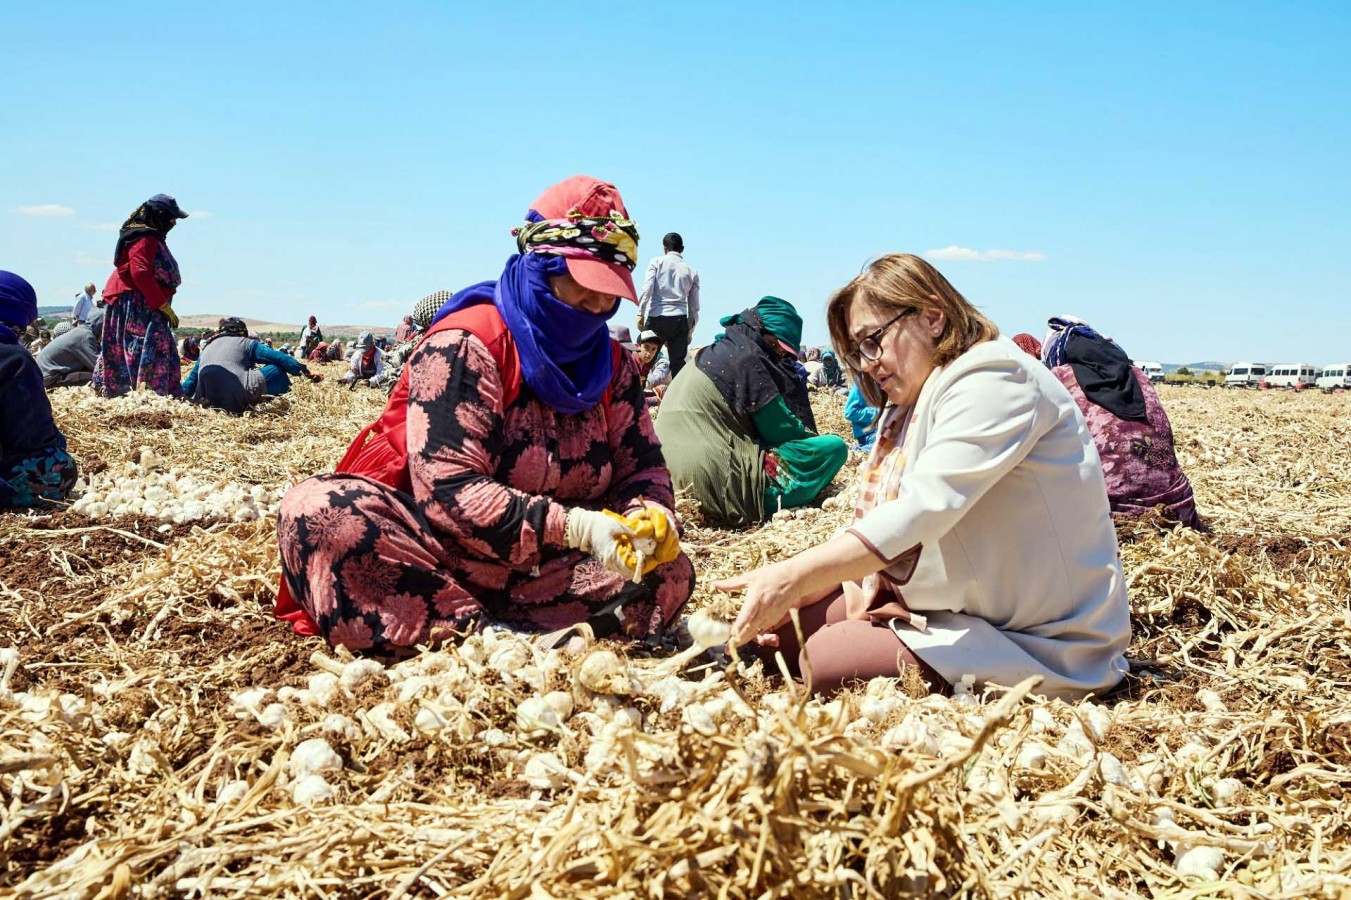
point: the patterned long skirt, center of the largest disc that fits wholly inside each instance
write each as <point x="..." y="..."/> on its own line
<point x="367" y="566"/>
<point x="138" y="349"/>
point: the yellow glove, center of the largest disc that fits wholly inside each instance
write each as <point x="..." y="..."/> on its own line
<point x="170" y="315"/>
<point x="657" y="533"/>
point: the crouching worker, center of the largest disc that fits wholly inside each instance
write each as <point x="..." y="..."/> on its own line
<point x="514" y="471"/>
<point x="1129" y="425"/>
<point x="34" y="465"/>
<point x="982" y="542"/>
<point x="367" y="362"/>
<point x="69" y="359"/>
<point x="235" y="371"/>
<point x="738" y="427"/>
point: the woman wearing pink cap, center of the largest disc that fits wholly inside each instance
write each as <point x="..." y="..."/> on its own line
<point x="514" y="470"/>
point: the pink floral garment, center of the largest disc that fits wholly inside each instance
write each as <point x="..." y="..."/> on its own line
<point x="1139" y="461"/>
<point x="482" y="532"/>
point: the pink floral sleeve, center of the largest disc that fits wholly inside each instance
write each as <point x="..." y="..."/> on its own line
<point x="455" y="443"/>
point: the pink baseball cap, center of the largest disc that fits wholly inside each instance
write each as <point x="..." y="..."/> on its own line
<point x="590" y="197"/>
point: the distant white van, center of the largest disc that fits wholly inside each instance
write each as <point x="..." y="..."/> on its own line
<point x="1152" y="369"/>
<point x="1292" y="374"/>
<point x="1334" y="375"/>
<point x="1246" y="374"/>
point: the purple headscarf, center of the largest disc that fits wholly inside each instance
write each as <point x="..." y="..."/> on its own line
<point x="565" y="352"/>
<point x="18" y="301"/>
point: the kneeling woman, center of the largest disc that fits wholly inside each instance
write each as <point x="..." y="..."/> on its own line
<point x="235" y="371"/>
<point x="34" y="465"/>
<point x="737" y="425"/>
<point x="982" y="542"/>
<point x="513" y="463"/>
<point x="1129" y="425"/>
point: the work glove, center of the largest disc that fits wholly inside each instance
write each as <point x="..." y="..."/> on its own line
<point x="170" y="315"/>
<point x="655" y="535"/>
<point x="600" y="534"/>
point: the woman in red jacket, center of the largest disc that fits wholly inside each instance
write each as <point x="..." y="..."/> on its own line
<point x="138" y="329"/>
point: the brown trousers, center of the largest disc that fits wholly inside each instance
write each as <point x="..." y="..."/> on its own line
<point x="844" y="651"/>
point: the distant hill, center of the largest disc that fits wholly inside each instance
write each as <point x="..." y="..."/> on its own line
<point x="48" y="311"/>
<point x="1197" y="367"/>
<point x="258" y="326"/>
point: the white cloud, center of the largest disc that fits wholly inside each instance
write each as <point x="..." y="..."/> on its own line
<point x="966" y="254"/>
<point x="46" y="211"/>
<point x="383" y="304"/>
<point x="199" y="214"/>
<point x="84" y="259"/>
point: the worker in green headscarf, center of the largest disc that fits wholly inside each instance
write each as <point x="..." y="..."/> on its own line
<point x="737" y="426"/>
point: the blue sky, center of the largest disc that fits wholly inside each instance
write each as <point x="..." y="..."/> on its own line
<point x="1177" y="174"/>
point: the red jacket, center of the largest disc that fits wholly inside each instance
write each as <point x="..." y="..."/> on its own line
<point x="137" y="273"/>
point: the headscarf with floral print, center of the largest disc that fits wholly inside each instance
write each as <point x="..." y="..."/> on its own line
<point x="612" y="239"/>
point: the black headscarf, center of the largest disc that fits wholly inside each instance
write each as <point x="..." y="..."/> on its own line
<point x="229" y="327"/>
<point x="1105" y="374"/>
<point x="152" y="218"/>
<point x="749" y="374"/>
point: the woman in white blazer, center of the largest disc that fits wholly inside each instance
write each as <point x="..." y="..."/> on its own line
<point x="982" y="543"/>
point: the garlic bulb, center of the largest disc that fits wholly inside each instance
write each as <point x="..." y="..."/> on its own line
<point x="604" y="673"/>
<point x="429" y="721"/>
<point x="545" y="772"/>
<point x="360" y="671"/>
<point x="535" y="718"/>
<point x="1199" y="862"/>
<point x="340" y="726"/>
<point x="231" y="791"/>
<point x="313" y="757"/>
<point x="699" y="719"/>
<point x="311" y="791"/>
<point x="1031" y="756"/>
<point x="561" y="703"/>
<point x="1096" y="721"/>
<point x="1225" y="789"/>
<point x="707" y="631"/>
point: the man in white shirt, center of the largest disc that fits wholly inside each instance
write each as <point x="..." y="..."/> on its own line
<point x="669" y="304"/>
<point x="84" y="305"/>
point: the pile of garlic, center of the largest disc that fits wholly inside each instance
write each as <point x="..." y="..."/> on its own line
<point x="147" y="489"/>
<point x="140" y="401"/>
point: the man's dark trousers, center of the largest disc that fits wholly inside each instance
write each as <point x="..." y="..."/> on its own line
<point x="674" y="332"/>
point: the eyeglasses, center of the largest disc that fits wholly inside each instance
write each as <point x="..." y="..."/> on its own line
<point x="868" y="348"/>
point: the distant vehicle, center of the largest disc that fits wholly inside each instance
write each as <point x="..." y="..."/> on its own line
<point x="1152" y="369"/>
<point x="1292" y="375"/>
<point x="1334" y="375"/>
<point x="1246" y="374"/>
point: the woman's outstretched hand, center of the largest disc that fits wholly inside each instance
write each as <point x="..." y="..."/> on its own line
<point x="770" y="593"/>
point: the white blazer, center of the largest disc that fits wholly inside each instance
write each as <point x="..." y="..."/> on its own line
<point x="1019" y="571"/>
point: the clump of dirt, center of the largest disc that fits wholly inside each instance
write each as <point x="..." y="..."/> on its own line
<point x="154" y="420"/>
<point x="1283" y="550"/>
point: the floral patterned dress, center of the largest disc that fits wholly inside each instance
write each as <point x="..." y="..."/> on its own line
<point x="481" y="534"/>
<point x="138" y="343"/>
<point x="1139" y="461"/>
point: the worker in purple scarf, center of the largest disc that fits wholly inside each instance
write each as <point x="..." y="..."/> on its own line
<point x="533" y="477"/>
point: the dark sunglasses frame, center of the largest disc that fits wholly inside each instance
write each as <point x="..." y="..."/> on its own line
<point x="856" y="356"/>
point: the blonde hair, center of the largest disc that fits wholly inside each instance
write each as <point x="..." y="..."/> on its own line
<point x="901" y="281"/>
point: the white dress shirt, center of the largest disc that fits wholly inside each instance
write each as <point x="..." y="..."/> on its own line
<point x="671" y="288"/>
<point x="1003" y="488"/>
<point x="84" y="305"/>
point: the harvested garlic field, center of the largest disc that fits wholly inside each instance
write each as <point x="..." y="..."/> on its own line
<point x="162" y="735"/>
